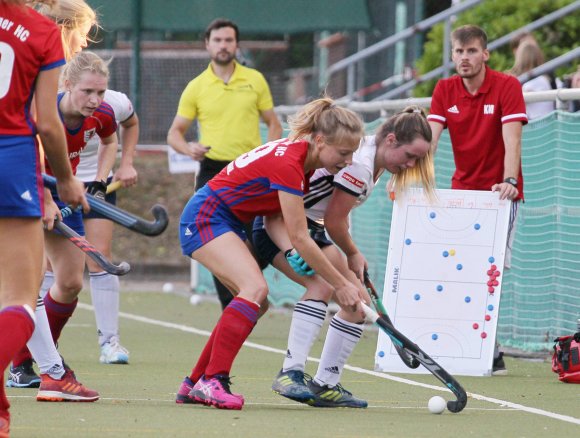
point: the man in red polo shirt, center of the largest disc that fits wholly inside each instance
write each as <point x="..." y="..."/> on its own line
<point x="484" y="111"/>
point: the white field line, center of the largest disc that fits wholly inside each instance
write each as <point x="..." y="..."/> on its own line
<point x="503" y="403"/>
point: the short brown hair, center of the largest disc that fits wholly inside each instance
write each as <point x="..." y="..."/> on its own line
<point x="469" y="32"/>
<point x="218" y="23"/>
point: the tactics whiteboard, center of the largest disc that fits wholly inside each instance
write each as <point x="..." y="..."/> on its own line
<point x="443" y="278"/>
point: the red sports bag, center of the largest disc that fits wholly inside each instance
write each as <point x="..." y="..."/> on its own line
<point x="566" y="358"/>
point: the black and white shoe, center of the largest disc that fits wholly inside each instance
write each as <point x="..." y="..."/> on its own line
<point x="23" y="376"/>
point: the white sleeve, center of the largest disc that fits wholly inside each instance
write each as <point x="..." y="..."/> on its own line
<point x="353" y="179"/>
<point x="121" y="105"/>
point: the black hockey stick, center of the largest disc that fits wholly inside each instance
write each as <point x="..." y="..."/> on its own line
<point x="122" y="217"/>
<point x="413" y="350"/>
<point x="408" y="360"/>
<point x="81" y="243"/>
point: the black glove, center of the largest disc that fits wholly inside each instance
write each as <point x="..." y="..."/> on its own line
<point x="97" y="188"/>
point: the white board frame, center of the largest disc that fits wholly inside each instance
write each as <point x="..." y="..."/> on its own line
<point x="457" y="324"/>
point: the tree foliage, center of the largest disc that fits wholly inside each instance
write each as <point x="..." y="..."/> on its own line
<point x="498" y="18"/>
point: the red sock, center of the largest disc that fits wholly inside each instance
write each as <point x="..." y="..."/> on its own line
<point x="234" y="327"/>
<point x="22" y="356"/>
<point x="204" y="357"/>
<point x="58" y="314"/>
<point x="16" y="327"/>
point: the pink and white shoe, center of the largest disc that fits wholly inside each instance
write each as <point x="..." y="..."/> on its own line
<point x="182" y="396"/>
<point x="215" y="391"/>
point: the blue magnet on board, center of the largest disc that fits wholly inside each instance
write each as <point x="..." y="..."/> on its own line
<point x="434" y="336"/>
<point x="417" y="297"/>
<point x="432" y="215"/>
<point x="381" y="353"/>
<point x="467" y="299"/>
<point x="407" y="241"/>
<point x="459" y="267"/>
<point x="477" y="226"/>
<point x="445" y="253"/>
<point x="491" y="259"/>
<point x="439" y="288"/>
<point x="490" y="307"/>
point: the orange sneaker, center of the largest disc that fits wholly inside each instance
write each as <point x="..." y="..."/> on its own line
<point x="4" y="425"/>
<point x="68" y="388"/>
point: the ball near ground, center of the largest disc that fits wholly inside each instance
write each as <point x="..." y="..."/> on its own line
<point x="168" y="288"/>
<point x="194" y="300"/>
<point x="437" y="404"/>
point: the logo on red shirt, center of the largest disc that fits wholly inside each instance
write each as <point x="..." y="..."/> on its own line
<point x="89" y="134"/>
<point x="351" y="179"/>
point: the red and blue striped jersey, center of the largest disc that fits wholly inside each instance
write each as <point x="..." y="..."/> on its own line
<point x="249" y="185"/>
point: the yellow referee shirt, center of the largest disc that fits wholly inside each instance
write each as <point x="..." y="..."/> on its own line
<point x="228" y="114"/>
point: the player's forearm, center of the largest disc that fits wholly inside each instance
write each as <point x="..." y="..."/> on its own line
<point x="276" y="229"/>
<point x="106" y="160"/>
<point x="129" y="139"/>
<point x="340" y="235"/>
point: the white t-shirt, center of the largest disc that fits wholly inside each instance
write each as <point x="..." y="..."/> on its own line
<point x="356" y="179"/>
<point x="87" y="168"/>
<point x="536" y="110"/>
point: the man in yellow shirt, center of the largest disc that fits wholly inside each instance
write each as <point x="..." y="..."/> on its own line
<point x="228" y="100"/>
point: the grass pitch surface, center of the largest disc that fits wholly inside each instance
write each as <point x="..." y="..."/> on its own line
<point x="165" y="334"/>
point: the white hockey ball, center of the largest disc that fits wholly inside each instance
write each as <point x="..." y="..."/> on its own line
<point x="437" y="404"/>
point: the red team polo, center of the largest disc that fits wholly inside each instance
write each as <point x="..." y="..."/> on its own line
<point x="101" y="123"/>
<point x="475" y="126"/>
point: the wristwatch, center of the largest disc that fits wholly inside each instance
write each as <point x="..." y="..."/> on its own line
<point x="511" y="180"/>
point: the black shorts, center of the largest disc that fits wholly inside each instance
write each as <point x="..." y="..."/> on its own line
<point x="266" y="249"/>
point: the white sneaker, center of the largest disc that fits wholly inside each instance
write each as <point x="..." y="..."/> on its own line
<point x="114" y="353"/>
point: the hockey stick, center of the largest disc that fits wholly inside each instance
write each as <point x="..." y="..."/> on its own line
<point x="413" y="349"/>
<point x="122" y="217"/>
<point x="81" y="243"/>
<point x="410" y="361"/>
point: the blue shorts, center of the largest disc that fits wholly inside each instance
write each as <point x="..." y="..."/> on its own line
<point x="265" y="249"/>
<point x="204" y="218"/>
<point x="111" y="198"/>
<point x="75" y="220"/>
<point x="20" y="183"/>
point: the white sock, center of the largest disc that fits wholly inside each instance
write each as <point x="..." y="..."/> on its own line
<point x="42" y="346"/>
<point x="105" y="296"/>
<point x="47" y="283"/>
<point x="307" y="320"/>
<point x="341" y="339"/>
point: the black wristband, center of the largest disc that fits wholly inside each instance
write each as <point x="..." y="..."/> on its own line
<point x="512" y="181"/>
